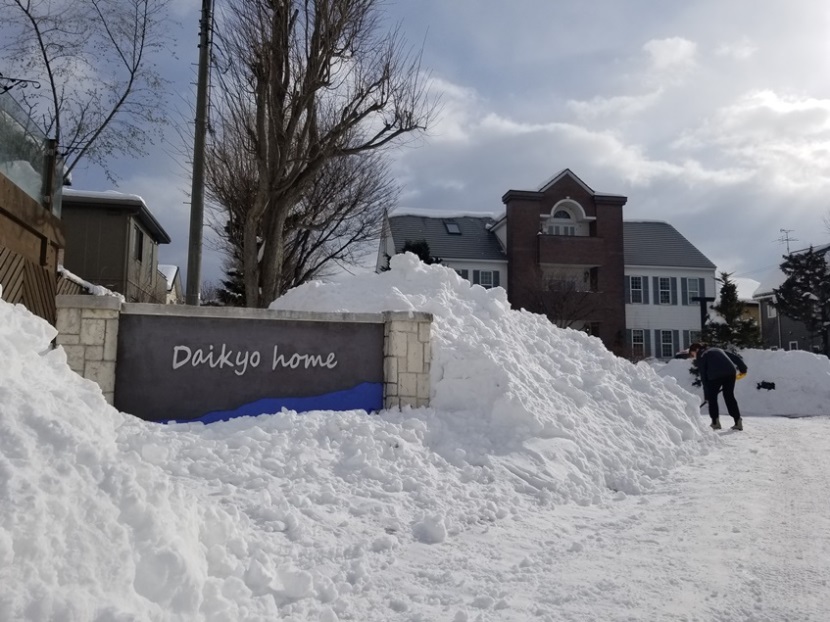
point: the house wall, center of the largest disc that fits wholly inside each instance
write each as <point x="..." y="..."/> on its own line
<point x="471" y="266"/>
<point x="779" y="331"/>
<point x="677" y="317"/>
<point x="144" y="282"/>
<point x="95" y="242"/>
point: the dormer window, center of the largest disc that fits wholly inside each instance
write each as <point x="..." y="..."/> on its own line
<point x="452" y="227"/>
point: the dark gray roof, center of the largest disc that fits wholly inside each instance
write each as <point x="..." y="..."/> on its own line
<point x="653" y="243"/>
<point x="475" y="242"/>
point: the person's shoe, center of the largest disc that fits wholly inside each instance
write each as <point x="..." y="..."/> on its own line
<point x="739" y="424"/>
<point x="715" y="424"/>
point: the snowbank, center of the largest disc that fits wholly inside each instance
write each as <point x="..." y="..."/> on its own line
<point x="802" y="382"/>
<point x="300" y="517"/>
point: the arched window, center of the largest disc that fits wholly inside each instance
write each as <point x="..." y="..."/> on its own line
<point x="561" y="222"/>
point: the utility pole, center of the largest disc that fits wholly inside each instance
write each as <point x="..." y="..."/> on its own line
<point x="197" y="194"/>
<point x="704" y="300"/>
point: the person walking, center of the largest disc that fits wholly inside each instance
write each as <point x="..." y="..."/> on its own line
<point x="718" y="372"/>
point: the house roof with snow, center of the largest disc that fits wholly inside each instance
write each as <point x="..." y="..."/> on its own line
<point x="657" y="243"/>
<point x="169" y="272"/>
<point x="130" y="203"/>
<point x="456" y="236"/>
<point x="468" y="236"/>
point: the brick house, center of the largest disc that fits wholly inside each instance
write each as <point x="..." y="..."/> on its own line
<point x="563" y="250"/>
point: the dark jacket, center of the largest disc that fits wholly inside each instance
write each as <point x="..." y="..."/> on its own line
<point x="714" y="364"/>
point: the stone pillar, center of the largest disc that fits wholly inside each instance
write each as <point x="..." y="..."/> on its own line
<point x="88" y="332"/>
<point x="406" y="359"/>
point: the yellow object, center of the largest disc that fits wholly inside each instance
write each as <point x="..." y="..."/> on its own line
<point x="740" y="376"/>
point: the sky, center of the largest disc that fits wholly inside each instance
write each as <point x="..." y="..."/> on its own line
<point x="548" y="480"/>
<point x="712" y="115"/>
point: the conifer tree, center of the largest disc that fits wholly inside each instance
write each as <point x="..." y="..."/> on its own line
<point x="420" y="248"/>
<point x="731" y="330"/>
<point x="805" y="294"/>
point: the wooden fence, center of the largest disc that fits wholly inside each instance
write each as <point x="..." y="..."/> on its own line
<point x="30" y="239"/>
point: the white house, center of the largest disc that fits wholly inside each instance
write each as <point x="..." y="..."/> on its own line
<point x="664" y="275"/>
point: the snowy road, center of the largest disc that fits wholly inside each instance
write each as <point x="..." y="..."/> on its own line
<point x="741" y="535"/>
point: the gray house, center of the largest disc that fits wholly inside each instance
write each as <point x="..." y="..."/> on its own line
<point x="779" y="331"/>
<point x="112" y="239"/>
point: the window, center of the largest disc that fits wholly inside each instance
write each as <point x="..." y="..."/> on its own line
<point x="464" y="274"/>
<point x="771" y="311"/>
<point x="138" y="249"/>
<point x="694" y="291"/>
<point x="665" y="290"/>
<point x="560" y="223"/>
<point x="485" y="279"/>
<point x="637" y="290"/>
<point x="638" y="343"/>
<point x="452" y="227"/>
<point x="666" y="344"/>
<point x="694" y="336"/>
<point x="793" y="345"/>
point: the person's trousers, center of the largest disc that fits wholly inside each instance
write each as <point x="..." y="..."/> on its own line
<point x="711" y="390"/>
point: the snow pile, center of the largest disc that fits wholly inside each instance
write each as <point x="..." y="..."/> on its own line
<point x="801" y="379"/>
<point x="552" y="407"/>
<point x="303" y="517"/>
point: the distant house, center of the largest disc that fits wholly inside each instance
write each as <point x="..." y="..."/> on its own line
<point x="112" y="240"/>
<point x="779" y="331"/>
<point x="172" y="276"/>
<point x="564" y="251"/>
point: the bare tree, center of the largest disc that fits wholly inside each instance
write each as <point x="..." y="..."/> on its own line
<point x="94" y="57"/>
<point x="306" y="84"/>
<point x="333" y="224"/>
<point x="566" y="297"/>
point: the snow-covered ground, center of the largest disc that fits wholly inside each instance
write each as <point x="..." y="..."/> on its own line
<point x="548" y="481"/>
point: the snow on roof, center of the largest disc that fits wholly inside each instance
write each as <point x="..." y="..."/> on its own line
<point x="102" y="195"/>
<point x="169" y="273"/>
<point x="445" y="214"/>
<point x="746" y="287"/>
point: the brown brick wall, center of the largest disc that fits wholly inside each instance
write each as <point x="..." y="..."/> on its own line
<point x="527" y="250"/>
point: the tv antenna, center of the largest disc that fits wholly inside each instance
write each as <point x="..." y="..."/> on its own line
<point x="786" y="239"/>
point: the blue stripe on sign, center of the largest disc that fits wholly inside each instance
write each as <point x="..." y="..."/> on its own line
<point x="367" y="396"/>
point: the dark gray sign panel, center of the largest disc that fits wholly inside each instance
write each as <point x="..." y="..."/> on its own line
<point x="179" y="368"/>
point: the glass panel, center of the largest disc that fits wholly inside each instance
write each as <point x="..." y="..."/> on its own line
<point x="24" y="155"/>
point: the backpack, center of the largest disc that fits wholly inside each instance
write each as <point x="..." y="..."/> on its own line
<point x="738" y="362"/>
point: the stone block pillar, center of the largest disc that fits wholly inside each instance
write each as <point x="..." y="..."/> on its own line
<point x="88" y="332"/>
<point x="406" y="359"/>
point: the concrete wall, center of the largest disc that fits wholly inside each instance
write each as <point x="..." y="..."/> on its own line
<point x="88" y="332"/>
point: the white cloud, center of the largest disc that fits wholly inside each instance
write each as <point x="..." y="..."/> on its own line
<point x="739" y="50"/>
<point x="671" y="53"/>
<point x="620" y="105"/>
